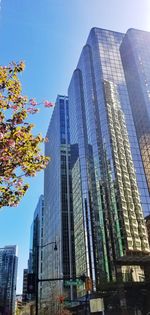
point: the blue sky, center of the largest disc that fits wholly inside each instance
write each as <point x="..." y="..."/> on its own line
<point x="49" y="35"/>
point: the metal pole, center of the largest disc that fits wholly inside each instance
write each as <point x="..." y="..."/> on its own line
<point x="86" y="304"/>
<point x="36" y="280"/>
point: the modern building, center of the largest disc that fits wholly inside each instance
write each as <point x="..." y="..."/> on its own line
<point x="58" y="215"/>
<point x="135" y="53"/>
<point x="8" y="278"/>
<point x="24" y="288"/>
<point x="35" y="263"/>
<point x="109" y="188"/>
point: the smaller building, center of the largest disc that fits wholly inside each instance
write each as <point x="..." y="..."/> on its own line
<point x="36" y="250"/>
<point x="8" y="278"/>
<point x="18" y="304"/>
<point x="24" y="289"/>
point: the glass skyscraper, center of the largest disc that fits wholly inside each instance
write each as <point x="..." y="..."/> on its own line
<point x="8" y="278"/>
<point x="107" y="170"/>
<point x="58" y="216"/>
<point x="135" y="52"/>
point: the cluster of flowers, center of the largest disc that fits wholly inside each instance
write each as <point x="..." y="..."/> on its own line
<point x="19" y="149"/>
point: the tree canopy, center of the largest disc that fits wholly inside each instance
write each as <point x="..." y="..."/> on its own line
<point x="20" y="153"/>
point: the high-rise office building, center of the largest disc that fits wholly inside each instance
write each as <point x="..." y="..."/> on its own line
<point x="58" y="216"/>
<point x="108" y="198"/>
<point x="36" y="243"/>
<point x="135" y="52"/>
<point x="8" y="278"/>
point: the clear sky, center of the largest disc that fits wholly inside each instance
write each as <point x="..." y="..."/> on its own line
<point x="49" y="35"/>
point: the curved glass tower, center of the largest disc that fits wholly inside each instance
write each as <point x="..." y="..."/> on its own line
<point x="106" y="162"/>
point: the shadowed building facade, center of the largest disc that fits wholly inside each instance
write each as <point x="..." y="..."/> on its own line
<point x="36" y="250"/>
<point x="58" y="215"/>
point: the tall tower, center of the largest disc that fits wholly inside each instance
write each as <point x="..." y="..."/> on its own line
<point x="8" y="278"/>
<point x="106" y="162"/>
<point x="135" y="52"/>
<point x="58" y="216"/>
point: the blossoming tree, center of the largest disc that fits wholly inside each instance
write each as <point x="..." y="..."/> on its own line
<point x="19" y="149"/>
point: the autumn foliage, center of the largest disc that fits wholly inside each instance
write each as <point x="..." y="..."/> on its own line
<point x="19" y="149"/>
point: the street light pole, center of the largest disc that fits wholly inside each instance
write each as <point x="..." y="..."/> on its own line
<point x="37" y="280"/>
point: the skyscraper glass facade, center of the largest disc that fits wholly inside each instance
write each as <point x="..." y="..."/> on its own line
<point x="8" y="278"/>
<point x="106" y="162"/>
<point x="58" y="216"/>
<point x="135" y="52"/>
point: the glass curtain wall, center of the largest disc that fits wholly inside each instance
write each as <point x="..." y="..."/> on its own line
<point x="135" y="52"/>
<point x="94" y="177"/>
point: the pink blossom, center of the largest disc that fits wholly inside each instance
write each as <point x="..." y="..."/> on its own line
<point x="32" y="110"/>
<point x="7" y="179"/>
<point x="29" y="109"/>
<point x="18" y="133"/>
<point x="19" y="183"/>
<point x="1" y="135"/>
<point x="4" y="158"/>
<point x="32" y="102"/>
<point x="14" y="107"/>
<point x="11" y="143"/>
<point x="14" y="204"/>
<point x="20" y="193"/>
<point x="48" y="104"/>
